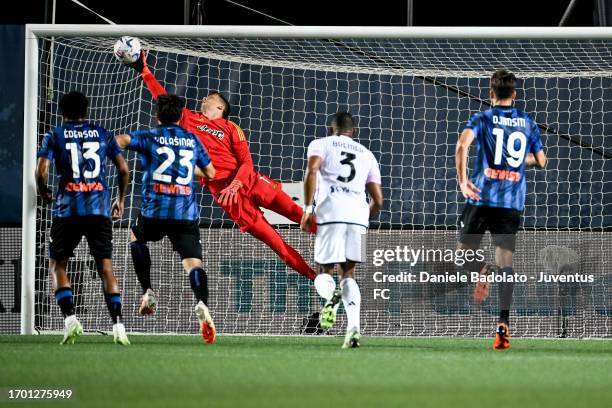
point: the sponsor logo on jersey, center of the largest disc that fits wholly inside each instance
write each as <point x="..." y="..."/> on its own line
<point x="84" y="187"/>
<point x="219" y="134"/>
<point x="509" y="175"/>
<point x="173" y="189"/>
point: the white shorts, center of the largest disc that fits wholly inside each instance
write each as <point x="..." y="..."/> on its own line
<point x="338" y="243"/>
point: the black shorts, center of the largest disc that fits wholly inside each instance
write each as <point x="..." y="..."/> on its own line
<point x="502" y="223"/>
<point x="184" y="235"/>
<point x="66" y="233"/>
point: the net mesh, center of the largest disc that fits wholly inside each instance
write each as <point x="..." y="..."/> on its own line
<point x="411" y="99"/>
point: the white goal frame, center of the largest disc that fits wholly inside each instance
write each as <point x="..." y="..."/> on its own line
<point x="34" y="31"/>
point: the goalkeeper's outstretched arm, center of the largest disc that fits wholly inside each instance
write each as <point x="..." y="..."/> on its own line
<point x="147" y="76"/>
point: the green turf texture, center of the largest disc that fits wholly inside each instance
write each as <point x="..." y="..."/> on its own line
<point x="181" y="371"/>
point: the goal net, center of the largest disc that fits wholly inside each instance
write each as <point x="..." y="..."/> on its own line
<point x="411" y="98"/>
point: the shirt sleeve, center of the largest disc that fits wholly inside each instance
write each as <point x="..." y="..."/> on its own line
<point x="152" y="83"/>
<point x="46" y="147"/>
<point x="316" y="148"/>
<point x="113" y="149"/>
<point x="474" y="124"/>
<point x="202" y="157"/>
<point x="242" y="154"/>
<point x="137" y="140"/>
<point x="374" y="173"/>
<point x="536" y="143"/>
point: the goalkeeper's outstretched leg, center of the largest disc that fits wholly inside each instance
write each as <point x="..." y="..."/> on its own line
<point x="263" y="231"/>
<point x="246" y="213"/>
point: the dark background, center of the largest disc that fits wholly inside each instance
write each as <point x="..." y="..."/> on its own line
<point x="313" y="12"/>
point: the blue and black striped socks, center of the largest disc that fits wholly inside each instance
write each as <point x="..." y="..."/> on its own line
<point x="504" y="291"/>
<point x="199" y="284"/>
<point x="113" y="302"/>
<point x="63" y="297"/>
<point x="142" y="263"/>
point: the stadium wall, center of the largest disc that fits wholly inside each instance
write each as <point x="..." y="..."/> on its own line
<point x="252" y="292"/>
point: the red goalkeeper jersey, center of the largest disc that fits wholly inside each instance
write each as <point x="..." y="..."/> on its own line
<point x="224" y="139"/>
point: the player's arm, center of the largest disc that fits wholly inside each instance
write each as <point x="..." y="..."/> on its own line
<point x="536" y="156"/>
<point x="207" y="172"/>
<point x="123" y="140"/>
<point x="468" y="189"/>
<point x="536" y="160"/>
<point x="376" y="202"/>
<point x="123" y="174"/>
<point x="204" y="167"/>
<point x="42" y="177"/>
<point x="147" y="76"/>
<point x="45" y="155"/>
<point x="123" y="178"/>
<point x="310" y="185"/>
<point x="151" y="82"/>
<point x="242" y="153"/>
<point x="373" y="183"/>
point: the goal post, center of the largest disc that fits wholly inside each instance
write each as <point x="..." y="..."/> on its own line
<point x="412" y="89"/>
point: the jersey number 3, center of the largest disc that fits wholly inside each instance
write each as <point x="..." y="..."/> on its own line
<point x="348" y="161"/>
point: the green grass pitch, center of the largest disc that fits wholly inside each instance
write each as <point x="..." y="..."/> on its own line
<point x="181" y="371"/>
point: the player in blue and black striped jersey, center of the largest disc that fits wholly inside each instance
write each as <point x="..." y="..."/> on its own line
<point x="507" y="140"/>
<point x="79" y="150"/>
<point x="170" y="157"/>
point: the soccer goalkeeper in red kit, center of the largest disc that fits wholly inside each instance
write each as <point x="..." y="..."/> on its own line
<point x="237" y="187"/>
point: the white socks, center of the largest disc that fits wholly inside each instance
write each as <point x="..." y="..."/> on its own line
<point x="325" y="285"/>
<point x="351" y="298"/>
<point x="69" y="320"/>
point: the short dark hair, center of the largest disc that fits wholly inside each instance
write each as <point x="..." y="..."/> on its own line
<point x="169" y="108"/>
<point x="342" y="122"/>
<point x="228" y="107"/>
<point x="503" y="84"/>
<point x="73" y="105"/>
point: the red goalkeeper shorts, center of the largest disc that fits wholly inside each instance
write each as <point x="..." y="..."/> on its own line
<point x="246" y="212"/>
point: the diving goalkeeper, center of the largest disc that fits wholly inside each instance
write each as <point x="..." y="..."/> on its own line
<point x="238" y="188"/>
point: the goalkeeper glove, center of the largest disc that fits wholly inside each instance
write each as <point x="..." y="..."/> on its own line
<point x="229" y="195"/>
<point x="140" y="63"/>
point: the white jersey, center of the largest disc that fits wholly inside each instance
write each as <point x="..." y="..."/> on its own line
<point x="346" y="168"/>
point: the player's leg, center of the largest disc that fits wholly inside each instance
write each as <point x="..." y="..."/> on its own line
<point x="64" y="298"/>
<point x="141" y="259"/>
<point x="250" y="219"/>
<point x="329" y="250"/>
<point x="99" y="234"/>
<point x="325" y="285"/>
<point x="473" y="225"/>
<point x="355" y="245"/>
<point x="268" y="193"/>
<point x="351" y="299"/>
<point x="503" y="232"/>
<point x="185" y="238"/>
<point x="263" y="231"/>
<point x="112" y="297"/>
<point x="65" y="236"/>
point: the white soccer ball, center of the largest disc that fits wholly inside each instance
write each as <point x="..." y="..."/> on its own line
<point x="127" y="49"/>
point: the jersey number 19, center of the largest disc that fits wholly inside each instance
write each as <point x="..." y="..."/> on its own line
<point x="516" y="156"/>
